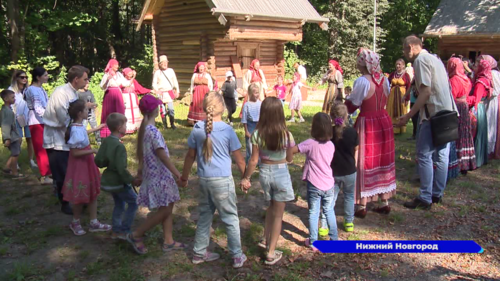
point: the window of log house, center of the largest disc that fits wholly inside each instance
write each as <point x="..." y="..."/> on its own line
<point x="247" y="52"/>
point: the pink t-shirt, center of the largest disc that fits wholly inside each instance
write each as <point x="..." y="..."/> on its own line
<point x="280" y="91"/>
<point x="317" y="169"/>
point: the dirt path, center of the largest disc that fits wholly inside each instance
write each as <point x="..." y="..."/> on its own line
<point x="36" y="243"/>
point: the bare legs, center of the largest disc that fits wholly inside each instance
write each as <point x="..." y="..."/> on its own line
<point x="162" y="216"/>
<point x="92" y="207"/>
<point x="272" y="231"/>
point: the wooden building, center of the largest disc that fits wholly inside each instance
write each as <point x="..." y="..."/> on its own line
<point x="228" y="34"/>
<point x="468" y="28"/>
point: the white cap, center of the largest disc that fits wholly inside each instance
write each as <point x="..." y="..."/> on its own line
<point x="229" y="74"/>
<point x="163" y="58"/>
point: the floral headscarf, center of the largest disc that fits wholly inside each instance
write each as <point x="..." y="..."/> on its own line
<point x="336" y="65"/>
<point x="109" y="66"/>
<point x="371" y="60"/>
<point x="197" y="67"/>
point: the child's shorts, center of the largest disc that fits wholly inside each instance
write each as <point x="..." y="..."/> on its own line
<point x="15" y="148"/>
<point x="276" y="182"/>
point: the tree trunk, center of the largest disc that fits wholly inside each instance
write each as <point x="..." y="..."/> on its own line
<point x="15" y="27"/>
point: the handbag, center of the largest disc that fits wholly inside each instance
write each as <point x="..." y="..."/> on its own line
<point x="444" y="125"/>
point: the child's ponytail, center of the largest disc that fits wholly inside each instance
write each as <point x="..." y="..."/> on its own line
<point x="339" y="120"/>
<point x="209" y="125"/>
<point x="140" y="140"/>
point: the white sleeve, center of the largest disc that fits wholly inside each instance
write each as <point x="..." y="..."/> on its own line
<point x="103" y="83"/>
<point x="210" y="82"/>
<point x="246" y="80"/>
<point x="120" y="79"/>
<point x="77" y="138"/>
<point x="387" y="87"/>
<point x="340" y="79"/>
<point x="155" y="80"/>
<point x="174" y="81"/>
<point x="360" y="90"/>
<point x="192" y="83"/>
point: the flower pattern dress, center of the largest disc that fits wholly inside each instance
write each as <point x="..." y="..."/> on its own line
<point x="158" y="188"/>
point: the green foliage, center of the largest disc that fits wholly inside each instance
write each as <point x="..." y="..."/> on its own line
<point x="95" y="88"/>
<point x="290" y="58"/>
<point x="405" y="17"/>
<point x="144" y="67"/>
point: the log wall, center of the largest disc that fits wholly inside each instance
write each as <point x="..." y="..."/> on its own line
<point x="463" y="46"/>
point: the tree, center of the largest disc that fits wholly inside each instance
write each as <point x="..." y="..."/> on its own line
<point x="405" y="17"/>
<point x="350" y="27"/>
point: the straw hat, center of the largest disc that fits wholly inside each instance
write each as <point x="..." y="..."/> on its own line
<point x="163" y="58"/>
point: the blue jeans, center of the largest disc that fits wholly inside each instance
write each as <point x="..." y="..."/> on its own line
<point x="317" y="199"/>
<point x="217" y="194"/>
<point x="129" y="197"/>
<point x="276" y="182"/>
<point x="432" y="182"/>
<point x="251" y="128"/>
<point x="348" y="184"/>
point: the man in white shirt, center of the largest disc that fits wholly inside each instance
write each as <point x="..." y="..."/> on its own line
<point x="302" y="72"/>
<point x="432" y="84"/>
<point x="165" y="83"/>
<point x="56" y="119"/>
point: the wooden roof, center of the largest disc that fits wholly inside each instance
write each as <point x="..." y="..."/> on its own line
<point x="465" y="18"/>
<point x="294" y="10"/>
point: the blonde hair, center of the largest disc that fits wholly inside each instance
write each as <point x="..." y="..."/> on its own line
<point x="213" y="105"/>
<point x="252" y="89"/>
<point x="115" y="120"/>
<point x="140" y="134"/>
<point x="339" y="111"/>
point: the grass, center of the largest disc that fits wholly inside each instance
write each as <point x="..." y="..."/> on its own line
<point x="22" y="271"/>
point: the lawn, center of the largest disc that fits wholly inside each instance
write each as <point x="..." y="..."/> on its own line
<point x="36" y="243"/>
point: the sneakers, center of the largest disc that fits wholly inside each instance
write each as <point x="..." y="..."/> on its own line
<point x="417" y="204"/>
<point x="310" y="245"/>
<point x="348" y="226"/>
<point x="77" y="228"/>
<point x="301" y="120"/>
<point x="323" y="232"/>
<point x="99" y="227"/>
<point x="33" y="164"/>
<point x="238" y="262"/>
<point x="292" y="120"/>
<point x="209" y="256"/>
<point x="46" y="181"/>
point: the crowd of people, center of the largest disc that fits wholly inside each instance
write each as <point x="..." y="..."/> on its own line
<point x="359" y="159"/>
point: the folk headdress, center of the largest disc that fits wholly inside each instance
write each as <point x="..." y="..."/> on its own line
<point x="371" y="60"/>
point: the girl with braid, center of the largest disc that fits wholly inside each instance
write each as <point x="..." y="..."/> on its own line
<point x="211" y="144"/>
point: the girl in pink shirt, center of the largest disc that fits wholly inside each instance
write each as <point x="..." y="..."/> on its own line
<point x="318" y="174"/>
<point x="280" y="89"/>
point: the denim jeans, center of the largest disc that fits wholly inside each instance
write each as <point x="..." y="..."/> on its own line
<point x="251" y="128"/>
<point x="217" y="194"/>
<point x="123" y="223"/>
<point x="92" y="120"/>
<point x="348" y="185"/>
<point x="317" y="199"/>
<point x="276" y="182"/>
<point x="432" y="181"/>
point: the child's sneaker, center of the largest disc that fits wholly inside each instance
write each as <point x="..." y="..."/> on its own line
<point x="323" y="232"/>
<point x="348" y="226"/>
<point x="77" y="228"/>
<point x="46" y="181"/>
<point x="301" y="120"/>
<point x="209" y="256"/>
<point x="33" y="164"/>
<point x="99" y="227"/>
<point x="310" y="245"/>
<point x="292" y="120"/>
<point x="238" y="262"/>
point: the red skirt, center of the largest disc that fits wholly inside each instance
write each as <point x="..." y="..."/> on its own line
<point x="82" y="184"/>
<point x="376" y="175"/>
<point x="196" y="112"/>
<point x="113" y="102"/>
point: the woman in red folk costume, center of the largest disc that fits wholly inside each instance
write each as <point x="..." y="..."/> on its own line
<point x="254" y="75"/>
<point x="376" y="175"/>
<point x="201" y="84"/>
<point x="132" y="88"/>
<point x="111" y="82"/>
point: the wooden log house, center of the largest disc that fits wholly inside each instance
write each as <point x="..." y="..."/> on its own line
<point x="467" y="28"/>
<point x="228" y="34"/>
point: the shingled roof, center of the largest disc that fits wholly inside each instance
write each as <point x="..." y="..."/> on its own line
<point x="464" y="18"/>
<point x="299" y="10"/>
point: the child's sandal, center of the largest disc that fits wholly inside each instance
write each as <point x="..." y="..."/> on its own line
<point x="273" y="260"/>
<point x="141" y="250"/>
<point x="174" y="246"/>
<point x="262" y="243"/>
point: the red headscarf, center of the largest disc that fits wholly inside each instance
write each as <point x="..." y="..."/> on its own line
<point x="336" y="65"/>
<point x="109" y="66"/>
<point x="255" y="73"/>
<point x="483" y="74"/>
<point x="127" y="71"/>
<point x="455" y="68"/>
<point x="197" y="67"/>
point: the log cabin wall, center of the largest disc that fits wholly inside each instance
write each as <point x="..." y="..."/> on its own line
<point x="185" y="32"/>
<point x="465" y="45"/>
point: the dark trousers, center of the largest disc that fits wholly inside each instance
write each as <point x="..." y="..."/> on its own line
<point x="58" y="161"/>
<point x="414" y="121"/>
<point x="231" y="107"/>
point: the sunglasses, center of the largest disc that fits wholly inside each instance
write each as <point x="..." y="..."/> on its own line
<point x="23" y="77"/>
